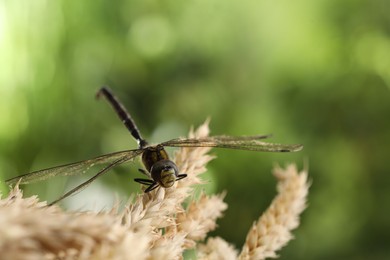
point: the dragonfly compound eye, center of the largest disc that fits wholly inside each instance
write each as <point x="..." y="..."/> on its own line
<point x="164" y="172"/>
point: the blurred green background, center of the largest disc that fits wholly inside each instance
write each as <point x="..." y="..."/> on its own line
<point x="311" y="72"/>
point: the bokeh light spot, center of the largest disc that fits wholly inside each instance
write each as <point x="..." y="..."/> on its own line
<point x="151" y="36"/>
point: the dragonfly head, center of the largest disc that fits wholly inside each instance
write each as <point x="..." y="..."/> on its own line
<point x="164" y="172"/>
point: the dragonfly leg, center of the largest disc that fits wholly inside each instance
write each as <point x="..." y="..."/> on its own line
<point x="152" y="184"/>
<point x="181" y="176"/>
<point x="144" y="181"/>
<point x="151" y="187"/>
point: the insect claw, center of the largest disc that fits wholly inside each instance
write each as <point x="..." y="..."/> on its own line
<point x="181" y="176"/>
<point x="151" y="187"/>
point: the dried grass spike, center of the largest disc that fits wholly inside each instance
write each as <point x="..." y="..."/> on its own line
<point x="201" y="216"/>
<point x="272" y="231"/>
<point x="216" y="248"/>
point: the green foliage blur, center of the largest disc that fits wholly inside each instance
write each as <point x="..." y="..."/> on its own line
<point x="311" y="72"/>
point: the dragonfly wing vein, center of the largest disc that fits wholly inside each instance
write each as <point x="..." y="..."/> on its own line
<point x="90" y="180"/>
<point x="242" y="143"/>
<point x="74" y="168"/>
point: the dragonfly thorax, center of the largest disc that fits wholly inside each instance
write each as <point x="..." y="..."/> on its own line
<point x="152" y="155"/>
<point x="164" y="172"/>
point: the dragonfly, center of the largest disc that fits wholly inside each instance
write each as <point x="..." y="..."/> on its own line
<point x="159" y="169"/>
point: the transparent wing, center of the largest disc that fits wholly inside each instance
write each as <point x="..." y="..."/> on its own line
<point x="90" y="180"/>
<point x="250" y="143"/>
<point x="77" y="167"/>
